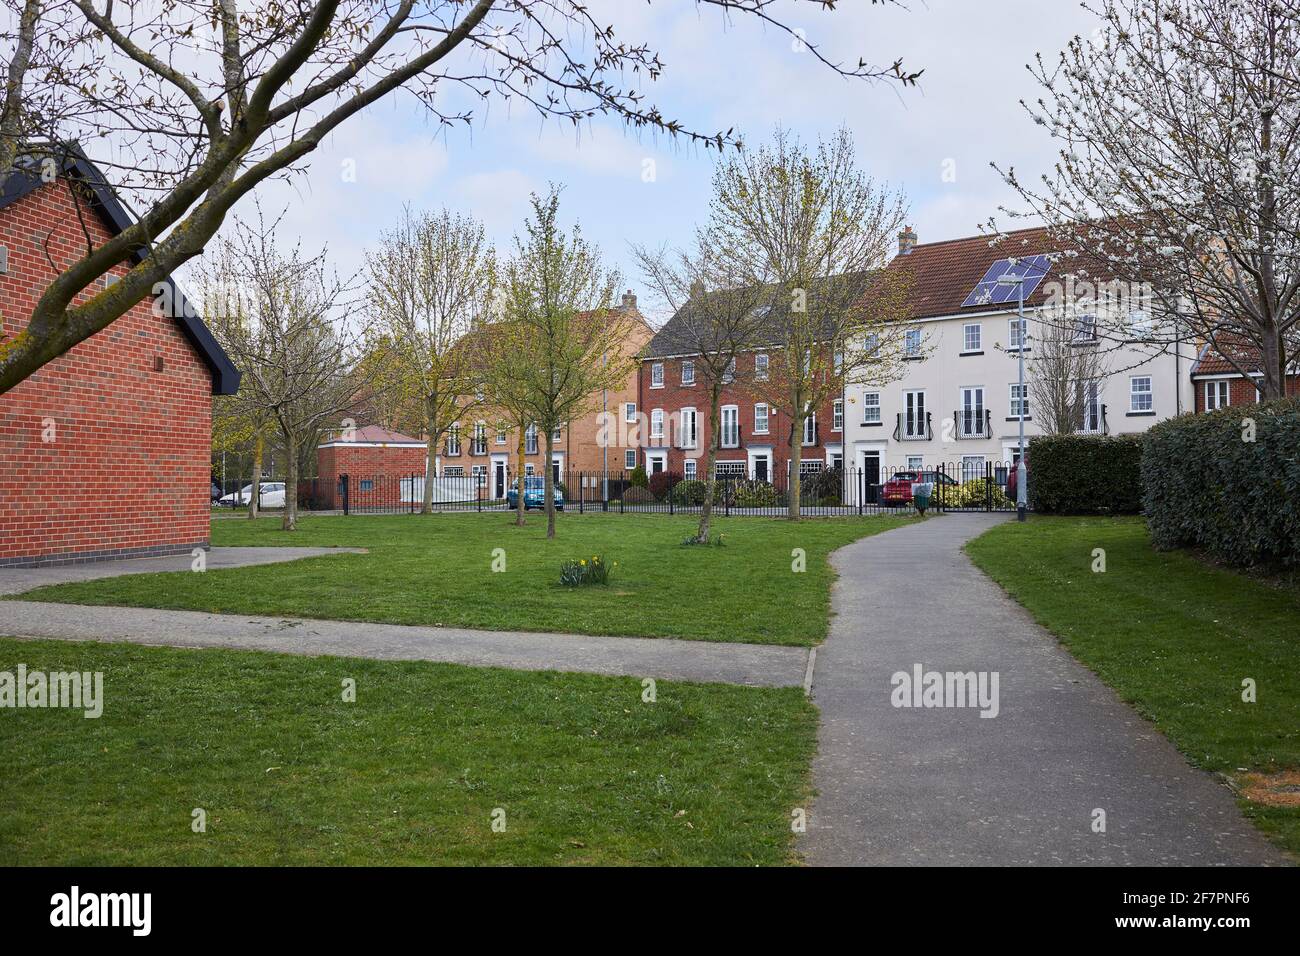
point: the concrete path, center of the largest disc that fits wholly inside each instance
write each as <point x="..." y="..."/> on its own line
<point x="945" y="786"/>
<point x="703" y="661"/>
<point x="17" y="580"/>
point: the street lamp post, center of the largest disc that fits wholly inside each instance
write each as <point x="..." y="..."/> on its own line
<point x="1022" y="496"/>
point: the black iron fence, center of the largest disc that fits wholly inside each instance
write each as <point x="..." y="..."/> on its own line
<point x="970" y="484"/>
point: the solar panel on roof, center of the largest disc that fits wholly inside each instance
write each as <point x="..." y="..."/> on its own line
<point x="990" y="291"/>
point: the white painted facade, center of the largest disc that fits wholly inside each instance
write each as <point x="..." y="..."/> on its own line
<point x="969" y="363"/>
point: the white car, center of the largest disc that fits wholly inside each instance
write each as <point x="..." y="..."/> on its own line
<point x="271" y="496"/>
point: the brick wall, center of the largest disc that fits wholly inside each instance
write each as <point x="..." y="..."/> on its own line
<point x="1240" y="391"/>
<point x="384" y="465"/>
<point x="100" y="454"/>
<point x="674" y="396"/>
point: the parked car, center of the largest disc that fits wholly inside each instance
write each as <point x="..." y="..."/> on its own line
<point x="898" y="489"/>
<point x="534" y="493"/>
<point x="271" y="495"/>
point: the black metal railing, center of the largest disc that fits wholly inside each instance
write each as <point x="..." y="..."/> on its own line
<point x="912" y="428"/>
<point x="973" y="423"/>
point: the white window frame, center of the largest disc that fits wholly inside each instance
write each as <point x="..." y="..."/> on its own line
<point x="868" y="406"/>
<point x="1134" y="393"/>
<point x="1020" y="402"/>
<point x="810" y="429"/>
<point x="629" y="459"/>
<point x="688" y="427"/>
<point x="1085" y="328"/>
<point x="972" y="471"/>
<point x="479" y="446"/>
<point x="689" y="468"/>
<point x="1215" y="402"/>
<point x="501" y="435"/>
<point x="657" y="375"/>
<point x="657" y="423"/>
<point x="914" y="427"/>
<point x="1017" y="334"/>
<point x="1092" y="403"/>
<point x="530" y="440"/>
<point x="837" y="415"/>
<point x="454" y="471"/>
<point x="761" y="429"/>
<point x="967" y="348"/>
<point x="977" y="408"/>
<point x="729" y="373"/>
<point x="726" y="440"/>
<point x="761" y="365"/>
<point x="453" y="440"/>
<point x="912" y="343"/>
<point x="688" y="372"/>
<point x="915" y="462"/>
<point x="629" y="412"/>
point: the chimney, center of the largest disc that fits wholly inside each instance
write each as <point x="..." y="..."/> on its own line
<point x="906" y="241"/>
<point x="629" y="301"/>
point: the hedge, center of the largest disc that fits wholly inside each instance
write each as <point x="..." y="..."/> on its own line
<point x="1085" y="474"/>
<point x="1209" y="487"/>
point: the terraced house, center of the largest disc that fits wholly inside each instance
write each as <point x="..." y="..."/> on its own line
<point x="959" y="402"/>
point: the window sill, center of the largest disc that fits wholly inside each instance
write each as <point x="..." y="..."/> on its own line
<point x="763" y="432"/>
<point x="1016" y="418"/>
<point x="1016" y="350"/>
<point x="913" y="358"/>
<point x="964" y="354"/>
<point x="1150" y="414"/>
<point x="660" y="385"/>
<point x="872" y="424"/>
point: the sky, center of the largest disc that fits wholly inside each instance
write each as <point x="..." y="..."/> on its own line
<point x="934" y="142"/>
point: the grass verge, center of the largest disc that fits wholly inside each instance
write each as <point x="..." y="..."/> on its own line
<point x="1175" y="638"/>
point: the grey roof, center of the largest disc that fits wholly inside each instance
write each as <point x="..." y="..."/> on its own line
<point x="677" y="336"/>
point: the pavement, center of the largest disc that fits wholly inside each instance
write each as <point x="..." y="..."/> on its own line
<point x="945" y="786"/>
<point x="18" y="580"/>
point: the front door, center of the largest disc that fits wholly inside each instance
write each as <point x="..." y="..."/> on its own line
<point x="498" y="479"/>
<point x="760" y="468"/>
<point x="870" y="477"/>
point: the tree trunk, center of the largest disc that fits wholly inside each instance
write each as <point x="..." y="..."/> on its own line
<point x="796" y="455"/>
<point x="290" y="521"/>
<point x="431" y="456"/>
<point x="715" y="423"/>
<point x="255" y="493"/>
<point x="549" y="482"/>
<point x="1272" y="364"/>
<point x="520" y="520"/>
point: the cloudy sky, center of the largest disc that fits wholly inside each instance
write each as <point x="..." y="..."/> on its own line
<point x="965" y="114"/>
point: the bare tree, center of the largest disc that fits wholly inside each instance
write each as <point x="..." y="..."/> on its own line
<point x="279" y="316"/>
<point x="1061" y="373"/>
<point x="557" y="298"/>
<point x="718" y="314"/>
<point x="1177" y="172"/>
<point x="430" y="285"/>
<point x="504" y="350"/>
<point x="197" y="103"/>
<point x="816" y="232"/>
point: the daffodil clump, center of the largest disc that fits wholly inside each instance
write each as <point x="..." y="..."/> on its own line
<point x="593" y="570"/>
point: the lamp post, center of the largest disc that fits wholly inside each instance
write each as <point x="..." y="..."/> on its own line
<point x="1022" y="496"/>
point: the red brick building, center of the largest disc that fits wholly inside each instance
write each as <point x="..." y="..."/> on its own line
<point x="105" y="452"/>
<point x="755" y="440"/>
<point x="379" y="463"/>
<point x="1217" y="383"/>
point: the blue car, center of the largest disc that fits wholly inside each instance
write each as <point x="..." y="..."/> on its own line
<point x="534" y="494"/>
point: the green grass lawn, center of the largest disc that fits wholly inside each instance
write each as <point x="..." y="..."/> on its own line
<point x="1173" y="636"/>
<point x="408" y="774"/>
<point x="437" y="570"/>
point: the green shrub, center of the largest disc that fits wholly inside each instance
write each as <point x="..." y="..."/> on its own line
<point x="637" y="495"/>
<point x="1206" y="486"/>
<point x="691" y="491"/>
<point x="978" y="492"/>
<point x="754" y="494"/>
<point x="1085" y="474"/>
<point x="824" y="487"/>
<point x="584" y="571"/>
<point x="638" y="477"/>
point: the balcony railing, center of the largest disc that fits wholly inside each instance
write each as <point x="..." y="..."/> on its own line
<point x="918" y="431"/>
<point x="973" y="423"/>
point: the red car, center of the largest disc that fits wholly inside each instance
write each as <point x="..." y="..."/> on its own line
<point x="898" y="489"/>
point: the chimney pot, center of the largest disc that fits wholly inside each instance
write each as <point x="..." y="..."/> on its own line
<point x="906" y="241"/>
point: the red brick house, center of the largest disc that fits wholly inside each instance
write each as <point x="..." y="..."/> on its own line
<point x="1217" y="382"/>
<point x="377" y="462"/>
<point x="674" y="433"/>
<point x="105" y="452"/>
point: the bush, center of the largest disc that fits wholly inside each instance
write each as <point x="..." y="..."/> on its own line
<point x="662" y="482"/>
<point x="754" y="494"/>
<point x="824" y="487"/>
<point x="978" y="492"/>
<point x="1206" y="486"/>
<point x="636" y="495"/>
<point x="691" y="491"/>
<point x="1085" y="474"/>
<point x="638" y="477"/>
<point x="583" y="571"/>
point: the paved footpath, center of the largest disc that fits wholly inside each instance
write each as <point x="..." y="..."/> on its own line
<point x="945" y="786"/>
